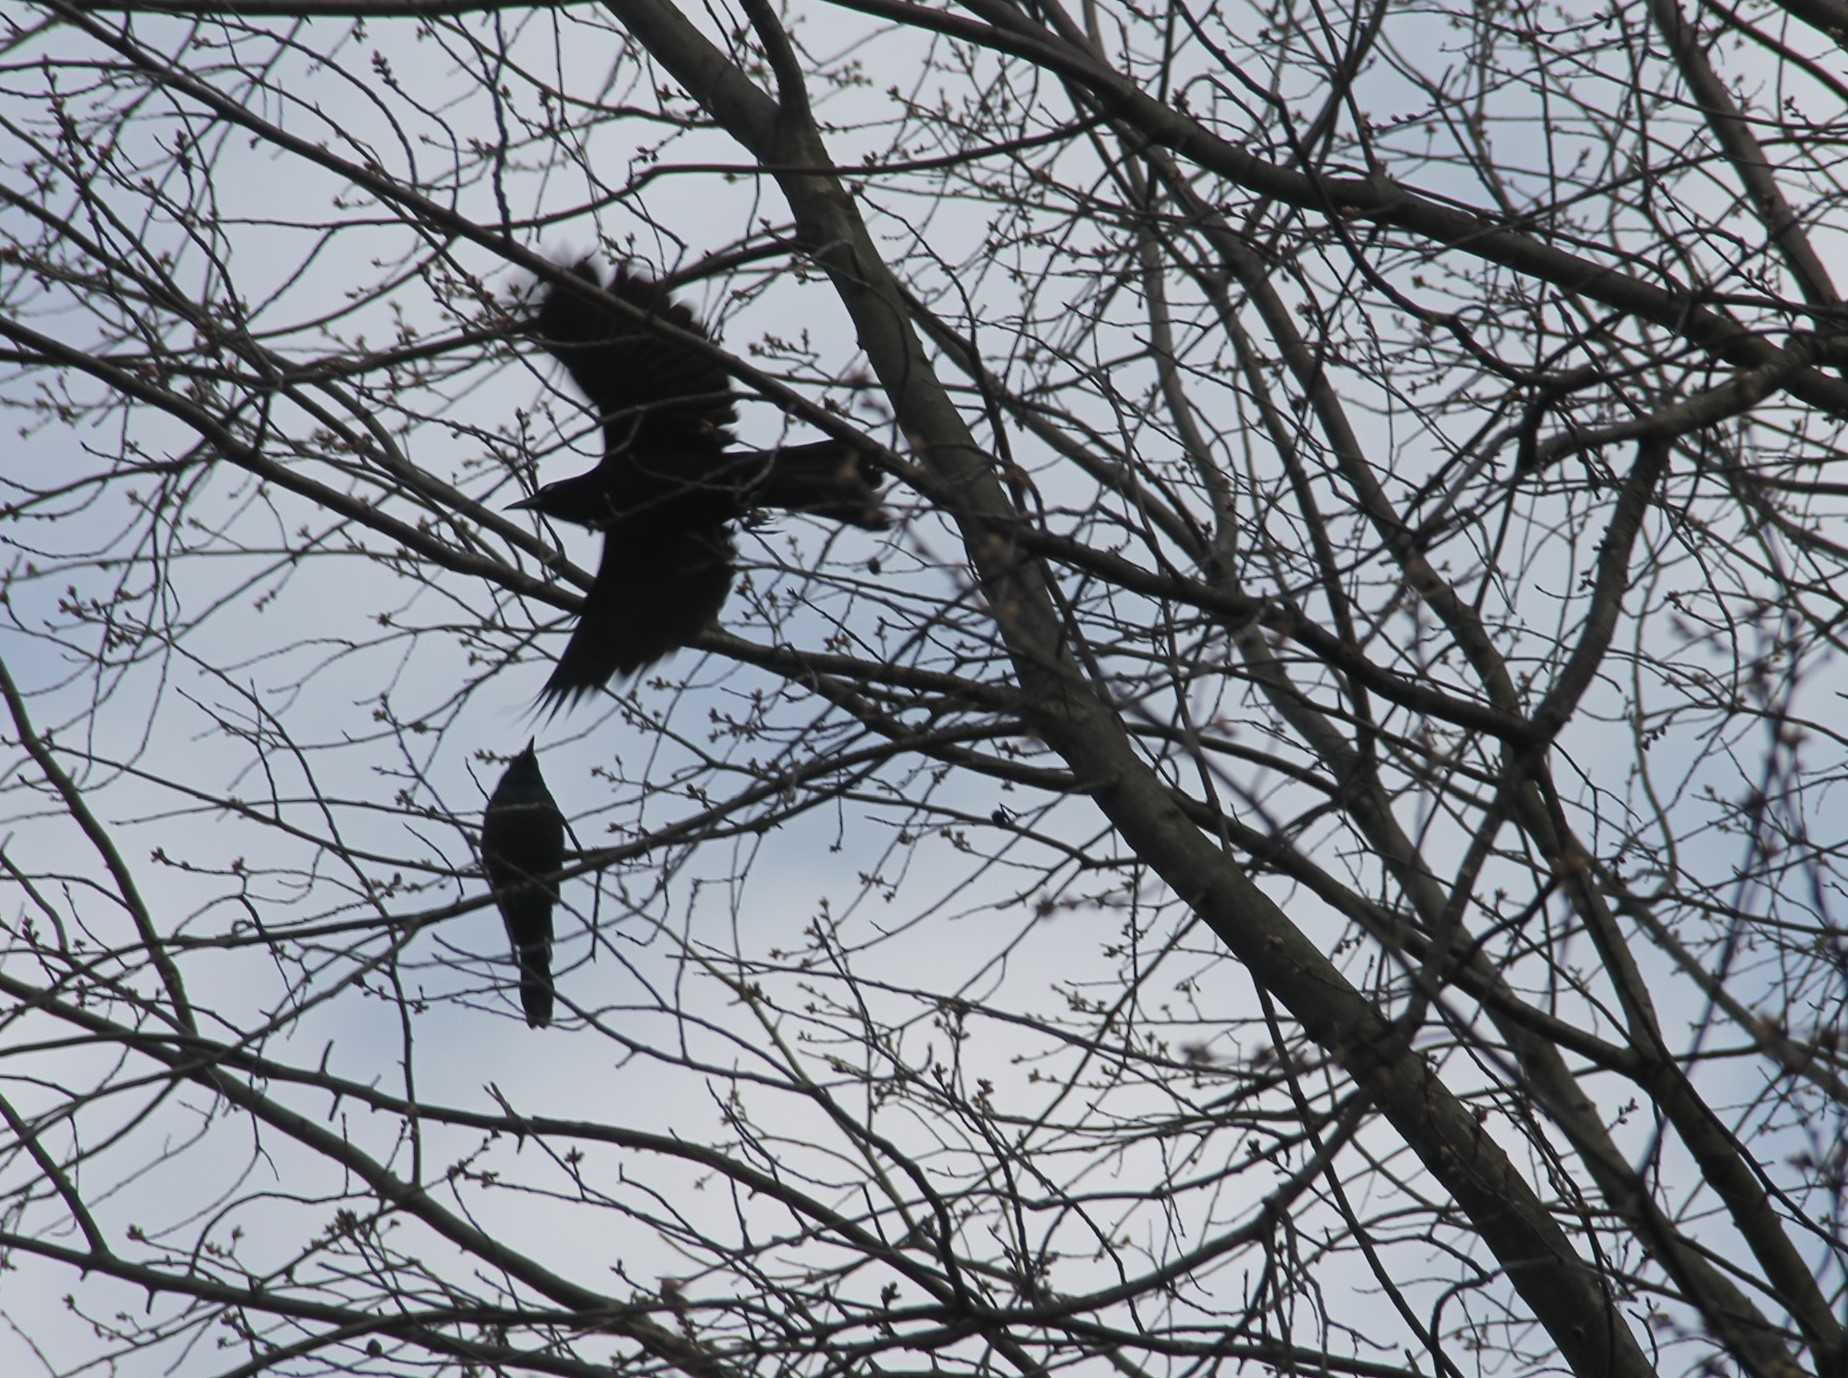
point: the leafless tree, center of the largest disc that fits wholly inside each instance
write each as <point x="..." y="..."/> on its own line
<point x="1310" y="847"/>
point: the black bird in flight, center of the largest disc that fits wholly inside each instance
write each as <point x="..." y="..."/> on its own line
<point x="671" y="480"/>
<point x="522" y="846"/>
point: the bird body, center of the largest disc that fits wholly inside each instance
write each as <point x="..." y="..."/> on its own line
<point x="522" y="848"/>
<point x="821" y="478"/>
<point x="670" y="482"/>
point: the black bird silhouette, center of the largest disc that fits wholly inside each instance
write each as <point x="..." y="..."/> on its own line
<point x="522" y="844"/>
<point x="670" y="482"/>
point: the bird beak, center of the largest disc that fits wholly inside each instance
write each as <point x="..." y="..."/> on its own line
<point x="524" y="504"/>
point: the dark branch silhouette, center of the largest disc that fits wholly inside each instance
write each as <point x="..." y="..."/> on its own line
<point x="522" y="844"/>
<point x="671" y="480"/>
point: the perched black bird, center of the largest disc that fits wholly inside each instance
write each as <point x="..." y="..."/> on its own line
<point x="670" y="482"/>
<point x="523" y="843"/>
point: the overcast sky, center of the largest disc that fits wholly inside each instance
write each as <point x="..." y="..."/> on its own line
<point x="298" y="649"/>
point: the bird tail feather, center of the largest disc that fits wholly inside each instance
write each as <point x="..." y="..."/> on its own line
<point x="536" y="983"/>
<point x="826" y="478"/>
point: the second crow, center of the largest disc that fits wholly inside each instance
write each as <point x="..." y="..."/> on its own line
<point x="522" y="849"/>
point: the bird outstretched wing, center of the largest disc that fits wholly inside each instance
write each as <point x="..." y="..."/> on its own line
<point x="655" y="591"/>
<point x="659" y="400"/>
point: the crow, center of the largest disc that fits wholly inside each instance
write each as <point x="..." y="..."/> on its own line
<point x="671" y="481"/>
<point x="522" y="844"/>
